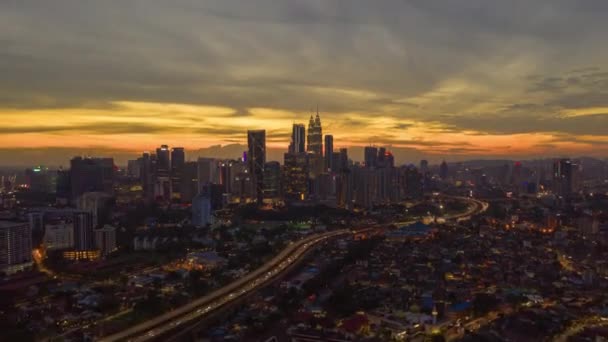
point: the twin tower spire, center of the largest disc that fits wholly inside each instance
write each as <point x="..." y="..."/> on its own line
<point x="315" y="135"/>
<point x="311" y="142"/>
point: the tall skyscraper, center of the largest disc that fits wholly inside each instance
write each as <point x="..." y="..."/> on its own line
<point x="563" y="177"/>
<point x="15" y="247"/>
<point x="296" y="176"/>
<point x="315" y="135"/>
<point x="163" y="167"/>
<point x="371" y="156"/>
<point x="147" y="171"/>
<point x="298" y="139"/>
<point x="178" y="158"/>
<point x="91" y="175"/>
<point x="188" y="183"/>
<point x="256" y="158"/>
<point x="162" y="176"/>
<point x="329" y="152"/>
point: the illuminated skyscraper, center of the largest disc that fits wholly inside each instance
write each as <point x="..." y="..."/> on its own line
<point x="298" y="139"/>
<point x="315" y="135"/>
<point x="256" y="158"/>
<point x="296" y="173"/>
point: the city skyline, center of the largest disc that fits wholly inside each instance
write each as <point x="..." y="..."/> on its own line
<point x="416" y="77"/>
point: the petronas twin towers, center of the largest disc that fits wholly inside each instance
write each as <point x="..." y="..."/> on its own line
<point x="315" y="135"/>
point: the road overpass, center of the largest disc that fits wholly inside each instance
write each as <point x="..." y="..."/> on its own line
<point x="203" y="306"/>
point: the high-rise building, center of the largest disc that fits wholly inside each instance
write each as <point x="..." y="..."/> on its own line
<point x="15" y="247"/>
<point x="298" y="139"/>
<point x="162" y="176"/>
<point x="39" y="179"/>
<point x="91" y="175"/>
<point x="63" y="187"/>
<point x="163" y="166"/>
<point x="443" y="170"/>
<point x="105" y="239"/>
<point x="296" y="176"/>
<point x="147" y="171"/>
<point x="83" y="231"/>
<point x="134" y="168"/>
<point x="207" y="171"/>
<point x="272" y="180"/>
<point x="329" y="152"/>
<point x="343" y="159"/>
<point x="563" y="177"/>
<point x="178" y="158"/>
<point x="256" y="158"/>
<point x="96" y="203"/>
<point x="315" y="135"/>
<point x="59" y="236"/>
<point x="371" y="156"/>
<point x="202" y="209"/>
<point x="188" y="183"/>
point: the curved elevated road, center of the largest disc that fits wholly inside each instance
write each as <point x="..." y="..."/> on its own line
<point x="175" y="319"/>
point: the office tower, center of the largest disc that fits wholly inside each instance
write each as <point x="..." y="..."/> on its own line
<point x="91" y="175"/>
<point x="178" y="158"/>
<point x="343" y="159"/>
<point x="298" y="139"/>
<point x="188" y="184"/>
<point x="39" y="179"/>
<point x="59" y="235"/>
<point x="147" y="171"/>
<point x="443" y="170"/>
<point x="83" y="231"/>
<point x="371" y="156"/>
<point x="63" y="187"/>
<point x="315" y="135"/>
<point x="563" y="170"/>
<point x="329" y="152"/>
<point x="296" y="176"/>
<point x="272" y="180"/>
<point x="241" y="184"/>
<point x="105" y="239"/>
<point x="134" y="168"/>
<point x="202" y="207"/>
<point x="96" y="203"/>
<point x="414" y="183"/>
<point x="207" y="171"/>
<point x="163" y="166"/>
<point x="162" y="176"/>
<point x="15" y="247"/>
<point x="256" y="158"/>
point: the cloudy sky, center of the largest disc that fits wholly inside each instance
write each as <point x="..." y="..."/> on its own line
<point x="439" y="79"/>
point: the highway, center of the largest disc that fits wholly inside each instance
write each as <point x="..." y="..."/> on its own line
<point x="154" y="328"/>
<point x="172" y="320"/>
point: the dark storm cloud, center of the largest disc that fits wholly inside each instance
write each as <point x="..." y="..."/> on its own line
<point x="370" y="57"/>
